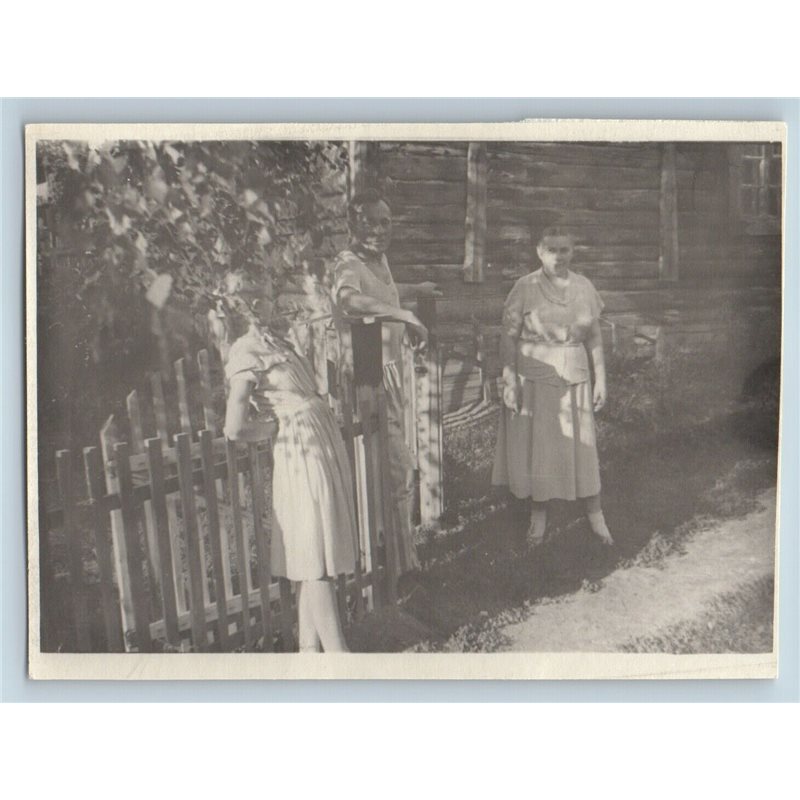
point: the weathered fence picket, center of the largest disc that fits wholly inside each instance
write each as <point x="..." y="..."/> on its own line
<point x="215" y="536"/>
<point x="192" y="540"/>
<point x="155" y="461"/>
<point x="262" y="545"/>
<point x="93" y="465"/>
<point x="134" y="562"/>
<point x="238" y="532"/>
<point x="72" y="540"/>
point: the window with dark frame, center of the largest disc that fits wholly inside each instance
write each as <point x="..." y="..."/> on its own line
<point x="756" y="184"/>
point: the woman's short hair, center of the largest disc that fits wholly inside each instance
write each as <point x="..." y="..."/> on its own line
<point x="366" y="197"/>
<point x="555" y="230"/>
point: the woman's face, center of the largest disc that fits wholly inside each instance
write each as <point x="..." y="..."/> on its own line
<point x="255" y="297"/>
<point x="555" y="253"/>
<point x="372" y="227"/>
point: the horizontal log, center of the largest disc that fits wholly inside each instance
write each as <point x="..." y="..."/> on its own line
<point x="406" y="167"/>
<point x="439" y="273"/>
<point x="549" y="199"/>
<point x="500" y="212"/>
<point x="439" y="149"/>
<point x="703" y="200"/>
<point x="616" y="252"/>
<point x="607" y="270"/>
<point x="424" y="193"/>
<point x="689" y="219"/>
<point x="744" y="251"/>
<point x="706" y="180"/>
<point x="452" y="213"/>
<point x="594" y="235"/>
<point x="546" y="174"/>
<point x="526" y="198"/>
<point x="438" y="232"/>
<point x="586" y="253"/>
<point x="409" y="252"/>
<point x="599" y="153"/>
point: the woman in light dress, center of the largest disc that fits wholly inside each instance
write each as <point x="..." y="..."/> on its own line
<point x="550" y="344"/>
<point x="314" y="533"/>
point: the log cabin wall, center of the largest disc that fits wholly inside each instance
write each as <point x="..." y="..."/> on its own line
<point x="426" y="185"/>
<point x="612" y="194"/>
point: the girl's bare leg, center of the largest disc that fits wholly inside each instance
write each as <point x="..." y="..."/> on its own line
<point x="308" y="637"/>
<point x="320" y="597"/>
<point x="538" y="523"/>
<point x="596" y="519"/>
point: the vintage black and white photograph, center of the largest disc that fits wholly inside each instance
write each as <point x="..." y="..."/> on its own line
<point x="466" y="401"/>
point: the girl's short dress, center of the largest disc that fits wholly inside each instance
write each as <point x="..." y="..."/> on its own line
<point x="549" y="450"/>
<point x="314" y="530"/>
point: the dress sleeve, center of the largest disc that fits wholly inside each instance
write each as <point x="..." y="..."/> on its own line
<point x="596" y="304"/>
<point x="346" y="274"/>
<point x="513" y="315"/>
<point x="249" y="363"/>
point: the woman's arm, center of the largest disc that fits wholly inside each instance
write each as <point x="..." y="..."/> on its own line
<point x="239" y="427"/>
<point x="354" y="302"/>
<point x="411" y="291"/>
<point x="513" y="316"/>
<point x="594" y="346"/>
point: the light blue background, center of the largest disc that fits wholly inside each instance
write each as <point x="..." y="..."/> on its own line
<point x="16" y="113"/>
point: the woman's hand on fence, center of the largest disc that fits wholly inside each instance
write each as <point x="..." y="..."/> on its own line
<point x="417" y="332"/>
<point x="599" y="394"/>
<point x="512" y="397"/>
<point x="427" y="289"/>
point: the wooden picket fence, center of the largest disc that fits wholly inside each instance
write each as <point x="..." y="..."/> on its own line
<point x="179" y="520"/>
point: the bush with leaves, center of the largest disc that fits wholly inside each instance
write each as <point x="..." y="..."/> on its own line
<point x="122" y="223"/>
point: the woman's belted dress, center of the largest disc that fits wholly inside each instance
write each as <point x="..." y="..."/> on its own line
<point x="548" y="450"/>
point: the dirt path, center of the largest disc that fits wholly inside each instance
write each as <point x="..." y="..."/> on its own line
<point x="641" y="600"/>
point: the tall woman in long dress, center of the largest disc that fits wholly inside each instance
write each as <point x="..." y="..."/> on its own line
<point x="546" y="446"/>
<point x="314" y="535"/>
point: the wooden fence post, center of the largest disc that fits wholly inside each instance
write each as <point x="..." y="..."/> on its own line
<point x="183" y="397"/>
<point x="668" y="210"/>
<point x="211" y="420"/>
<point x="72" y="539"/>
<point x="169" y="604"/>
<point x="475" y="223"/>
<point x="215" y="536"/>
<point x="159" y="406"/>
<point x="108" y="441"/>
<point x="242" y="549"/>
<point x="137" y="446"/>
<point x="193" y="541"/>
<point x="368" y="380"/>
<point x="134" y="555"/>
<point x="262" y="545"/>
<point x="429" y="391"/>
<point x="346" y="390"/>
<point x="93" y="464"/>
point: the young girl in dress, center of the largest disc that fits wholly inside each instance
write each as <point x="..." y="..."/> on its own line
<point x="314" y="535"/>
<point x="546" y="446"/>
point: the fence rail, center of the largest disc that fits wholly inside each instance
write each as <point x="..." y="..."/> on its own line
<point x="164" y="540"/>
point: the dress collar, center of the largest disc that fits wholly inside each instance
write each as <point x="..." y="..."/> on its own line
<point x="551" y="292"/>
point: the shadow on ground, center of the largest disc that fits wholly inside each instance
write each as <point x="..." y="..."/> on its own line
<point x="478" y="569"/>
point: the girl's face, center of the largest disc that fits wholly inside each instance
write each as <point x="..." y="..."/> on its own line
<point x="555" y="253"/>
